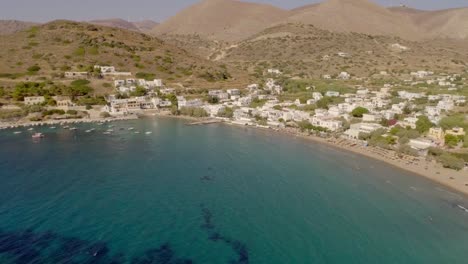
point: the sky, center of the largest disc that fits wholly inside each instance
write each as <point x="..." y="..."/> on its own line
<point x="157" y="10"/>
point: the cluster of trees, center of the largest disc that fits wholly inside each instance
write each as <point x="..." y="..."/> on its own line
<point x="227" y="112"/>
<point x="193" y="112"/>
<point x="404" y="134"/>
<point x="48" y="89"/>
<point x="307" y="126"/>
<point x="379" y="138"/>
<point x="448" y="160"/>
<point x="326" y="101"/>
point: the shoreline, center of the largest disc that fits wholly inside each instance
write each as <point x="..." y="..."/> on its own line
<point x="455" y="180"/>
<point x="11" y="125"/>
<point x="419" y="166"/>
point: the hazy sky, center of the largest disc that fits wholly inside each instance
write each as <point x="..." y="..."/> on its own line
<point x="158" y="10"/>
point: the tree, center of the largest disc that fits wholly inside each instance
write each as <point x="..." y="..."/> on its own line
<point x="359" y="111"/>
<point x="451" y="141"/>
<point x="423" y="124"/>
<point x="452" y="162"/>
<point x="227" y="112"/>
<point x="139" y="91"/>
<point x="212" y="100"/>
<point x="324" y="102"/>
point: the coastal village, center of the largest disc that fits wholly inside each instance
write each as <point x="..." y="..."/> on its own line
<point x="412" y="123"/>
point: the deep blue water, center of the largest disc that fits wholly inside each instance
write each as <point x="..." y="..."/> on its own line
<point x="214" y="194"/>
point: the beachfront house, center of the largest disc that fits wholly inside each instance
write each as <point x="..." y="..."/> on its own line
<point x="421" y="144"/>
<point x="326" y="122"/>
<point x="358" y="128"/>
<point x="182" y="102"/>
<point x="33" y="100"/>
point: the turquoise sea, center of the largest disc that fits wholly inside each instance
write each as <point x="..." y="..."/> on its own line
<point x="214" y="194"/>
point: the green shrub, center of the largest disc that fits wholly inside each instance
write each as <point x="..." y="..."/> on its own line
<point x="34" y="69"/>
<point x="452" y="162"/>
<point x="359" y="112"/>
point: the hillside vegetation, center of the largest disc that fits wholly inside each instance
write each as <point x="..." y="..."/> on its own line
<point x="59" y="46"/>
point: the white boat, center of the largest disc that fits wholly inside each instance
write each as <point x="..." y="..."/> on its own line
<point x="148" y="132"/>
<point x="52" y="127"/>
<point x="137" y="132"/>
<point x="17" y="132"/>
<point x="30" y="129"/>
<point x="106" y="133"/>
<point x="110" y="130"/>
<point x="66" y="127"/>
<point x="37" y="135"/>
<point x="131" y="128"/>
<point x="88" y="131"/>
<point x="73" y="128"/>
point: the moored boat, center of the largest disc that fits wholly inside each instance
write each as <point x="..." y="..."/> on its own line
<point x="37" y="135"/>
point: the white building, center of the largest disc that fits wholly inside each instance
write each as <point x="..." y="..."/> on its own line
<point x="344" y="76"/>
<point x="355" y="129"/>
<point x="32" y="100"/>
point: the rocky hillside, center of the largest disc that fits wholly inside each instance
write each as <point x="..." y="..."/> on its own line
<point x="307" y="50"/>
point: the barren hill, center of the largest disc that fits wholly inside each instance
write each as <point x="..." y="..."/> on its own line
<point x="222" y="19"/>
<point x="361" y="16"/>
<point x="71" y="46"/>
<point x="449" y="23"/>
<point x="305" y="49"/>
<point x="12" y="26"/>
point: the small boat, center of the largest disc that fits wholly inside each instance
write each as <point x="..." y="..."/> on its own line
<point x="17" y="132"/>
<point x="30" y="129"/>
<point x="88" y="131"/>
<point x="148" y="132"/>
<point x="73" y="128"/>
<point x="110" y="130"/>
<point x="137" y="132"/>
<point x="107" y="133"/>
<point x="131" y="128"/>
<point x="66" y="127"/>
<point x="37" y="135"/>
<point x="52" y="127"/>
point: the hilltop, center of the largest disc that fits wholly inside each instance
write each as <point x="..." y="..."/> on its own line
<point x="71" y="46"/>
<point x="115" y="22"/>
<point x="13" y="26"/>
<point x="222" y="20"/>
<point x="232" y="20"/>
